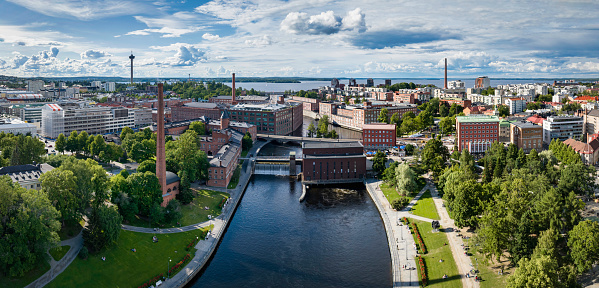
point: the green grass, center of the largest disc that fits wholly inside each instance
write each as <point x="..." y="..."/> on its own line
<point x="70" y="229"/>
<point x="235" y="179"/>
<point x="437" y="250"/>
<point x="59" y="252"/>
<point x="390" y="192"/>
<point x="29" y="277"/>
<point x="490" y="277"/>
<point x="193" y="212"/>
<point x="244" y="153"/>
<point x="425" y="207"/>
<point x="125" y="268"/>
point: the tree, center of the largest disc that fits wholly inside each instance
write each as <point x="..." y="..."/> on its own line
<point x="410" y="149"/>
<point x="61" y="189"/>
<point x="467" y="205"/>
<point x="91" y="180"/>
<point x="103" y="228"/>
<point x="172" y="211"/>
<point x="434" y="155"/>
<point x="126" y="131"/>
<point x="455" y="109"/>
<point x="584" y="245"/>
<point x="73" y="142"/>
<point x="97" y="145"/>
<point x="408" y="126"/>
<point x="503" y="110"/>
<point x="61" y="143"/>
<point x="540" y="271"/>
<point x="447" y="125"/>
<point x="28" y="228"/>
<point x="395" y="119"/>
<point x="405" y="179"/>
<point x="576" y="177"/>
<point x="378" y="162"/>
<point x="246" y="141"/>
<point x="383" y="116"/>
<point x="323" y="126"/>
<point x="443" y="110"/>
<point x="82" y="141"/>
<point x="144" y="190"/>
<point x="389" y="174"/>
<point x="199" y="127"/>
<point x="311" y="130"/>
<point x="148" y="165"/>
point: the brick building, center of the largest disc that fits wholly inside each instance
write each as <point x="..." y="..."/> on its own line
<point x="277" y="119"/>
<point x="378" y="136"/>
<point x="476" y="133"/>
<point x="459" y="101"/>
<point x="309" y="104"/>
<point x="355" y="116"/>
<point x="224" y="163"/>
<point x="196" y="110"/>
<point x="589" y="152"/>
<point x="333" y="162"/>
<point x="526" y="135"/>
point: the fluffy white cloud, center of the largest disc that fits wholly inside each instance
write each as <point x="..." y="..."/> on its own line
<point x="170" y="26"/>
<point x="323" y="23"/>
<point x="209" y="36"/>
<point x="265" y="40"/>
<point x="355" y="19"/>
<point x="94" y="54"/>
<point x="187" y="55"/>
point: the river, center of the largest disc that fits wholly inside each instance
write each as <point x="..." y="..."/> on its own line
<point x="333" y="239"/>
<point x="343" y="133"/>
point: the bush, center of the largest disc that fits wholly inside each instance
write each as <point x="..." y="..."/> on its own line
<point x="173" y="211"/>
<point x="400" y="203"/>
<point x="83" y="253"/>
<point x="185" y="196"/>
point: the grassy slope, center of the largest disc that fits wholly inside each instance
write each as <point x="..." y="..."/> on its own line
<point x="437" y="250"/>
<point x="193" y="212"/>
<point x="26" y="279"/>
<point x="59" y="252"/>
<point x="425" y="207"/>
<point x="235" y="179"/>
<point x="123" y="267"/>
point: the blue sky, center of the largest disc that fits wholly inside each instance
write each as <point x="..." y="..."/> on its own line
<point x="310" y="38"/>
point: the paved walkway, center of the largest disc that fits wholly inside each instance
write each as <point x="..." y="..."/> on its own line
<point x="463" y="261"/>
<point x="400" y="240"/>
<point x="56" y="267"/>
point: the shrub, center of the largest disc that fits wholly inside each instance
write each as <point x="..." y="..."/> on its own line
<point x="83" y="253"/>
<point x="422" y="271"/>
<point x="400" y="203"/>
<point x="420" y="241"/>
<point x="152" y="281"/>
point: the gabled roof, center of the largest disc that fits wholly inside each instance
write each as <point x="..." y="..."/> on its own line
<point x="581" y="147"/>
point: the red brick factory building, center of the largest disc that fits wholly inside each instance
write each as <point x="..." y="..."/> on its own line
<point x="378" y="136"/>
<point x="333" y="162"/>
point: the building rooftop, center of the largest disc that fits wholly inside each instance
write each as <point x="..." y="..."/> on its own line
<point x="318" y="145"/>
<point x="171" y="177"/>
<point x="581" y="147"/>
<point x="524" y="124"/>
<point x="379" y="126"/>
<point x="27" y="172"/>
<point x="476" y="119"/>
<point x="260" y="107"/>
<point x="201" y="105"/>
<point x="225" y="155"/>
<point x="594" y="113"/>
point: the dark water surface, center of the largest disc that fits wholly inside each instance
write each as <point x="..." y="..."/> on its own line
<point x="333" y="239"/>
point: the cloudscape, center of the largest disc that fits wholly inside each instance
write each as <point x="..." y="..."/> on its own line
<point x="305" y="38"/>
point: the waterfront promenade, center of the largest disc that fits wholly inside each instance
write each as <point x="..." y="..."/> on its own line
<point x="401" y="241"/>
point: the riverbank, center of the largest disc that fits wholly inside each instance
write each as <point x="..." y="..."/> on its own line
<point x="399" y="238"/>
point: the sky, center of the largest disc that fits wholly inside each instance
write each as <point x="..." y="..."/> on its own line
<point x="300" y="38"/>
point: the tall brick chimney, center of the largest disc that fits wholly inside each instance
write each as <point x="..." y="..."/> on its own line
<point x="445" y="73"/>
<point x="233" y="95"/>
<point x="160" y="149"/>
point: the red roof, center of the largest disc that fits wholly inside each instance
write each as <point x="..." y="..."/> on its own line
<point x="581" y="147"/>
<point x="535" y="119"/>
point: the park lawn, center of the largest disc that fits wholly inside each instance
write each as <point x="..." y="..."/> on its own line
<point x="70" y="229"/>
<point x="391" y="194"/>
<point x="125" y="268"/>
<point x="425" y="207"/>
<point x="487" y="270"/>
<point x="29" y="277"/>
<point x="193" y="212"/>
<point x="59" y="252"/>
<point x="235" y="179"/>
<point x="437" y="250"/>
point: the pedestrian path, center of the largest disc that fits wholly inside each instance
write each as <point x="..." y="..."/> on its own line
<point x="463" y="261"/>
<point x="56" y="267"/>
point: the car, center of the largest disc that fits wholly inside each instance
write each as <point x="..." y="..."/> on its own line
<point x="50" y="146"/>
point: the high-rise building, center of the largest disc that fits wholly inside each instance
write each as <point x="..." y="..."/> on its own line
<point x="387" y="82"/>
<point x="369" y="82"/>
<point x="335" y="83"/>
<point x="482" y="82"/>
<point x="35" y="85"/>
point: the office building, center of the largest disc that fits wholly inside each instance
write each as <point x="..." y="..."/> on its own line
<point x="476" y="133"/>
<point x="28" y="175"/>
<point x="378" y="136"/>
<point x="277" y="119"/>
<point x="526" y="136"/>
<point x="562" y="128"/>
<point x="482" y="82"/>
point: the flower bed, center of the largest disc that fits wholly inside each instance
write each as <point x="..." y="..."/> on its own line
<point x="151" y="282"/>
<point x="422" y="271"/>
<point x="420" y="241"/>
<point x="222" y="203"/>
<point x="179" y="265"/>
<point x="193" y="243"/>
<point x="405" y="220"/>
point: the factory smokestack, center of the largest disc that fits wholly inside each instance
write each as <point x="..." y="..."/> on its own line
<point x="233" y="95"/>
<point x="160" y="143"/>
<point x="445" y="73"/>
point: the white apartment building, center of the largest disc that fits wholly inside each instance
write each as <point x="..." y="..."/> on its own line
<point x="35" y="85"/>
<point x="97" y="84"/>
<point x="93" y="120"/>
<point x="456" y="85"/>
<point x="109" y="86"/>
<point x="488" y="99"/>
<point x="562" y="128"/>
<point x="516" y="104"/>
<point x="16" y="127"/>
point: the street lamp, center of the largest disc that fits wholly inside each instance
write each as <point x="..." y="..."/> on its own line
<point x="168" y="273"/>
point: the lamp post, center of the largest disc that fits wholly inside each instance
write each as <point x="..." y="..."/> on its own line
<point x="168" y="273"/>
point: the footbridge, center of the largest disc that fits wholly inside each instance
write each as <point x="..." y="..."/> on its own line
<point x="282" y="138"/>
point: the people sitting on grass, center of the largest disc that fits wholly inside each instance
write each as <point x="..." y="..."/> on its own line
<point x="133" y="249"/>
<point x="444" y="276"/>
<point x="103" y="258"/>
<point x="154" y="239"/>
